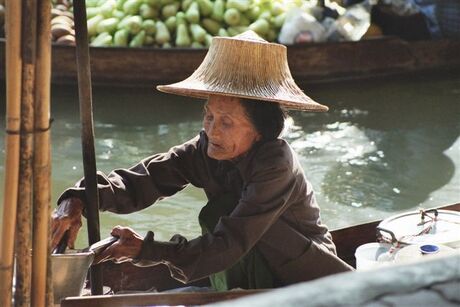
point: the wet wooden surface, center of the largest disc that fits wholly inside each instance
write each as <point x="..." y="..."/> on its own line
<point x="151" y="299"/>
<point x="308" y="62"/>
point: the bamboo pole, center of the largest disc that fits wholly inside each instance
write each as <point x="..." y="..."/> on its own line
<point x="49" y="279"/>
<point x="10" y="194"/>
<point x="24" y="212"/>
<point x="87" y="135"/>
<point x="42" y="166"/>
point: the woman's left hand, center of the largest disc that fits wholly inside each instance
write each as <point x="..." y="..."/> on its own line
<point x="125" y="249"/>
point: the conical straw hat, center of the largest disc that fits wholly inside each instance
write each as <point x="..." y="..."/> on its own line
<point x="245" y="66"/>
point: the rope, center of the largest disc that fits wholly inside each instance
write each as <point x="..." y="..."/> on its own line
<point x="9" y="131"/>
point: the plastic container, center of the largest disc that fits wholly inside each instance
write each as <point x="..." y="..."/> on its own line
<point x="416" y="252"/>
<point x="367" y="255"/>
<point x="301" y="27"/>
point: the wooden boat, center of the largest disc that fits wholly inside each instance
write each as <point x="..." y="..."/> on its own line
<point x="126" y="277"/>
<point x="308" y="62"/>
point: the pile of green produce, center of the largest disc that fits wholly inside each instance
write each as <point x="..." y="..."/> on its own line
<point x="181" y="23"/>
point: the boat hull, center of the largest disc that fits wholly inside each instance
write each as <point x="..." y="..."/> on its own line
<point x="126" y="277"/>
<point x="308" y="62"/>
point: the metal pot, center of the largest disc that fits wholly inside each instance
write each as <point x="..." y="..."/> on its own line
<point x="70" y="269"/>
<point x="422" y="227"/>
<point x="69" y="273"/>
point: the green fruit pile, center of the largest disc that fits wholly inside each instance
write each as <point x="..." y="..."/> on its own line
<point x="181" y="23"/>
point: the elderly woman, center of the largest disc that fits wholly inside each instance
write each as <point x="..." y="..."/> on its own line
<point x="261" y="226"/>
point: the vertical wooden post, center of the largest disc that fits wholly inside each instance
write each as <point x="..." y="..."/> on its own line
<point x="24" y="213"/>
<point x="42" y="157"/>
<point x="10" y="194"/>
<point x="87" y="137"/>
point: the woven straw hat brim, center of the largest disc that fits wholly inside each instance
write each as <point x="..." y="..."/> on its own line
<point x="245" y="66"/>
<point x="193" y="89"/>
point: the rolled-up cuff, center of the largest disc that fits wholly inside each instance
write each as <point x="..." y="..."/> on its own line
<point x="74" y="193"/>
<point x="155" y="252"/>
<point x="152" y="252"/>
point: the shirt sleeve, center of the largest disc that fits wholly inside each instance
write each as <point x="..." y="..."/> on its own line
<point x="135" y="188"/>
<point x="270" y="188"/>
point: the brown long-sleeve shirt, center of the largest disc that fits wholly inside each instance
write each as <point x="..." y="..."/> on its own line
<point x="277" y="210"/>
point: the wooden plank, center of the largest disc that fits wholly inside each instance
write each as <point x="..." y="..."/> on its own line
<point x="308" y="62"/>
<point x="348" y="239"/>
<point x="442" y="54"/>
<point x="350" y="59"/>
<point x="133" y="66"/>
<point x="147" y="66"/>
<point x="149" y="299"/>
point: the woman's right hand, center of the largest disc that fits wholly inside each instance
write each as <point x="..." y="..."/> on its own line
<point x="67" y="216"/>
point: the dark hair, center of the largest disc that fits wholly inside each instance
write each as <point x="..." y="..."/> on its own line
<point x="267" y="117"/>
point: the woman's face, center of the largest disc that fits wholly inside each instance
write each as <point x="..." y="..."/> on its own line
<point x="228" y="128"/>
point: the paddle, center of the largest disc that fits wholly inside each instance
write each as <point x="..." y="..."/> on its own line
<point x="62" y="245"/>
<point x="87" y="131"/>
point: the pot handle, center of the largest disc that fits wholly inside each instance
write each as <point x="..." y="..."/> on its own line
<point x="99" y="246"/>
<point x="391" y="233"/>
<point x="423" y="213"/>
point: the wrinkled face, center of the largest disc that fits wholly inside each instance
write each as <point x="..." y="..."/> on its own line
<point x="228" y="128"/>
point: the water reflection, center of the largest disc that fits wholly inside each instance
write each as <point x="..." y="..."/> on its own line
<point x="385" y="143"/>
<point x="385" y="146"/>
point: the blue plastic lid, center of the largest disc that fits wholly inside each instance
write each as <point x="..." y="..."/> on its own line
<point x="429" y="249"/>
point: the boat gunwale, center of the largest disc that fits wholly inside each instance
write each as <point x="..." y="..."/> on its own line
<point x="309" y="63"/>
<point x="200" y="298"/>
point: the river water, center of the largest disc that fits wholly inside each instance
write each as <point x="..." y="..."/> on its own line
<point x="386" y="146"/>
